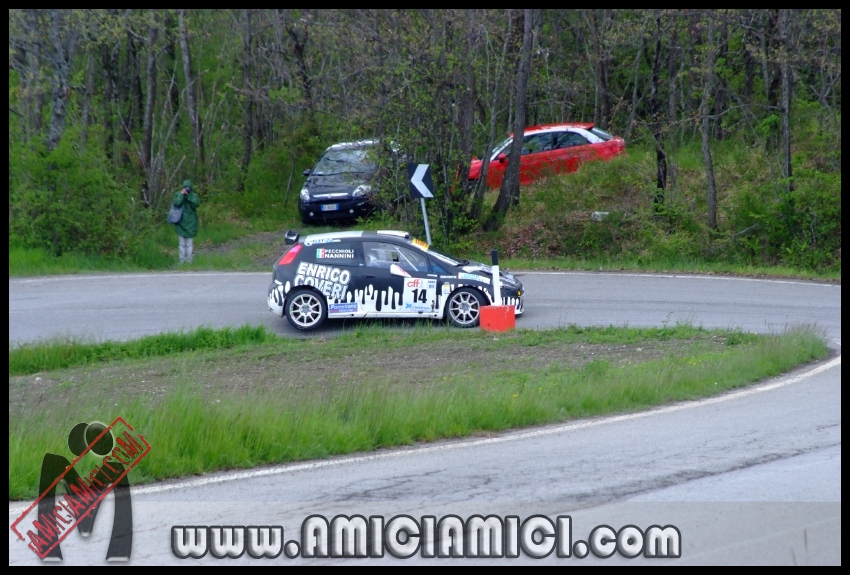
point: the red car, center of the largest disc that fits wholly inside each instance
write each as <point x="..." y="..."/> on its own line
<point x="551" y="149"/>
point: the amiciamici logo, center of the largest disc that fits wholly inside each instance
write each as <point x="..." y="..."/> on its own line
<point x="116" y="448"/>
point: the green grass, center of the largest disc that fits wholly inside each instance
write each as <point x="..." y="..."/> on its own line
<point x="60" y="354"/>
<point x="312" y="405"/>
<point x="678" y="265"/>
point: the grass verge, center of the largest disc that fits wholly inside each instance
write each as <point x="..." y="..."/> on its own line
<point x="292" y="399"/>
<point x="59" y="354"/>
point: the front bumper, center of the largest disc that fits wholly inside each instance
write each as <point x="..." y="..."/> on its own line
<point x="345" y="209"/>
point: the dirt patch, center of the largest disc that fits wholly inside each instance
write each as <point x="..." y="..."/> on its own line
<point x="321" y="368"/>
<point x="270" y="245"/>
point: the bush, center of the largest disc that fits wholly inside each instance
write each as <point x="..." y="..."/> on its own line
<point x="66" y="201"/>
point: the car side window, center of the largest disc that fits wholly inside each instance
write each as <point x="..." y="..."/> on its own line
<point x="569" y="139"/>
<point x="438" y="268"/>
<point x="536" y="143"/>
<point x="384" y="255"/>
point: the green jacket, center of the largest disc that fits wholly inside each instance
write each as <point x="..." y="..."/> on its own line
<point x="188" y="224"/>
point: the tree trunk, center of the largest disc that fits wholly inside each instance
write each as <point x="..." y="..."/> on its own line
<point x="62" y="50"/>
<point x="749" y="61"/>
<point x="86" y="112"/>
<point x="672" y="68"/>
<point x="110" y="95"/>
<point x="720" y="85"/>
<point x="299" y="47"/>
<point x="481" y="185"/>
<point x="636" y="80"/>
<point x="466" y="105"/>
<point x="596" y="20"/>
<point x="708" y="87"/>
<point x="248" y="131"/>
<point x="171" y="52"/>
<point x="147" y="119"/>
<point x="510" y="183"/>
<point x="785" y="105"/>
<point x="190" y="90"/>
<point x="655" y="111"/>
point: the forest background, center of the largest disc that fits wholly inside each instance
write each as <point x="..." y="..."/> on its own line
<point x="732" y="122"/>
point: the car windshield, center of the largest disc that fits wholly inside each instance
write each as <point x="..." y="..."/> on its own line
<point x="345" y="161"/>
<point x="444" y="258"/>
<point x="501" y="147"/>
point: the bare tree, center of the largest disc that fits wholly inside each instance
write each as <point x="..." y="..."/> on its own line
<point x="655" y="112"/>
<point x="708" y="87"/>
<point x="510" y="182"/>
<point x="147" y="118"/>
<point x="498" y="73"/>
<point x="785" y="104"/>
<point x="191" y="87"/>
<point x="248" y="131"/>
<point x="63" y="40"/>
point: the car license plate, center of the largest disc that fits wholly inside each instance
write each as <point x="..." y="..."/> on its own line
<point x="330" y="207"/>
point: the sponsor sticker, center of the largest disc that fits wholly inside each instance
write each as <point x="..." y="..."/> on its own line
<point x="337" y="254"/>
<point x="347" y="307"/>
<point x="397" y="270"/>
<point x="474" y="277"/>
<point x="331" y="281"/>
<point x="321" y="241"/>
<point x="446" y="289"/>
<point x="420" y="243"/>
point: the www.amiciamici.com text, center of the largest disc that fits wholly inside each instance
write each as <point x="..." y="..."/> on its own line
<point x="404" y="536"/>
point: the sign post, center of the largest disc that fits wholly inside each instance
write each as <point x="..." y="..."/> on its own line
<point x="421" y="186"/>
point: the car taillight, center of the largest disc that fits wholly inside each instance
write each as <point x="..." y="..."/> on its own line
<point x="287" y="258"/>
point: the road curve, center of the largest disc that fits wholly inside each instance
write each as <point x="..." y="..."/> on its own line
<point x="751" y="477"/>
<point x="127" y="306"/>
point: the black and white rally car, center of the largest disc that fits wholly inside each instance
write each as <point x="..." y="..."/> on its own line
<point x="357" y="274"/>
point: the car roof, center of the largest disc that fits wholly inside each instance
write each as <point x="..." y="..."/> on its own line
<point x="329" y="237"/>
<point x="353" y="145"/>
<point x="548" y="127"/>
<point x="543" y="128"/>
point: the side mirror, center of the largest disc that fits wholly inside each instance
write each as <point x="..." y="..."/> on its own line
<point x="502" y="158"/>
<point x="290" y="238"/>
<point x="306" y="172"/>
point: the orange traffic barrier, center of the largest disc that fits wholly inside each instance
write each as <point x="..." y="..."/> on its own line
<point x="497" y="318"/>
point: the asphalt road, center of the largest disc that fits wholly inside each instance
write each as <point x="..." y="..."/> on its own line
<point x="752" y="477"/>
<point x="129" y="306"/>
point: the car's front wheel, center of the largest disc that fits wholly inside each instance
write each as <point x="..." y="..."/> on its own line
<point x="463" y="309"/>
<point x="305" y="309"/>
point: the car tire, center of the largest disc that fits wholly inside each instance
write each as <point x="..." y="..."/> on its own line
<point x="463" y="308"/>
<point x="305" y="309"/>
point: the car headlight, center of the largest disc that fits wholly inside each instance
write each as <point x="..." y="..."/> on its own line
<point x="305" y="195"/>
<point x="361" y="190"/>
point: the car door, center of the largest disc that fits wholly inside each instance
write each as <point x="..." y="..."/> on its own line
<point x="396" y="281"/>
<point x="573" y="150"/>
<point x="532" y="162"/>
<point x="537" y="157"/>
<point x="496" y="171"/>
<point x="331" y="268"/>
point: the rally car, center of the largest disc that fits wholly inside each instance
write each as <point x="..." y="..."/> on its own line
<point x="358" y="274"/>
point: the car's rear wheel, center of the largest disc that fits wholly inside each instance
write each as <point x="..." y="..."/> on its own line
<point x="463" y="309"/>
<point x="305" y="309"/>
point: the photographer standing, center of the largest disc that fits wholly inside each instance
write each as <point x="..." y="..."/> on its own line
<point x="187" y="227"/>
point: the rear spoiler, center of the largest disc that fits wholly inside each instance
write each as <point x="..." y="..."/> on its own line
<point x="291" y="237"/>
